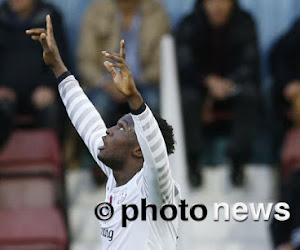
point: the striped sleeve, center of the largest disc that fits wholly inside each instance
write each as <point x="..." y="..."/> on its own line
<point x="158" y="181"/>
<point x="84" y="117"/>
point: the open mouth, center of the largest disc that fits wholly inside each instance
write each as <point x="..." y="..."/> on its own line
<point x="102" y="146"/>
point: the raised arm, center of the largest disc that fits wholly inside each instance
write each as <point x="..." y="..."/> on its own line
<point x="158" y="181"/>
<point x="81" y="111"/>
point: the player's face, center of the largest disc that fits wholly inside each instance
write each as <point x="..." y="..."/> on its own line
<point x="119" y="143"/>
<point x="218" y="11"/>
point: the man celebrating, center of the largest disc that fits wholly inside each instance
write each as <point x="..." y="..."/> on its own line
<point x="133" y="153"/>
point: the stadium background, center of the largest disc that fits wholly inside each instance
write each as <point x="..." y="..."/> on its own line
<point x="83" y="195"/>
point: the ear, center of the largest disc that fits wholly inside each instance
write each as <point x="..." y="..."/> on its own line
<point x="137" y="152"/>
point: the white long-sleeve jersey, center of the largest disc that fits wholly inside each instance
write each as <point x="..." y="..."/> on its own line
<point x="153" y="182"/>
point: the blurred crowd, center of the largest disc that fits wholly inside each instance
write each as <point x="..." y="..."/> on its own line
<point x="218" y="60"/>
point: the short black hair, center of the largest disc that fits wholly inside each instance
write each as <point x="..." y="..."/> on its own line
<point x="167" y="133"/>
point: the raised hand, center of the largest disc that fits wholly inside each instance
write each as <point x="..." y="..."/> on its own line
<point x="51" y="53"/>
<point x="123" y="80"/>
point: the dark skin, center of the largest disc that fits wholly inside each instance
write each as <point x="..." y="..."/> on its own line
<point x="121" y="151"/>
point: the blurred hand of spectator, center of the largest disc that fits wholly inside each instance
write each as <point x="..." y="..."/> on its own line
<point x="7" y="94"/>
<point x="291" y="90"/>
<point x="43" y="97"/>
<point x="218" y="87"/>
<point x="286" y="246"/>
<point x="110" y="88"/>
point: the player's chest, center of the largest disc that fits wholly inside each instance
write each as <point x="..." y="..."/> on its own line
<point x="127" y="195"/>
<point x="119" y="199"/>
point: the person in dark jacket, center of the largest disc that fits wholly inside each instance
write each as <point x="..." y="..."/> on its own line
<point x="218" y="61"/>
<point x="286" y="234"/>
<point x="27" y="86"/>
<point x="285" y="70"/>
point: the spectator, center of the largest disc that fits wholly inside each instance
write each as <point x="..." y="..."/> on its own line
<point x="286" y="234"/>
<point x="285" y="69"/>
<point x="218" y="63"/>
<point x="285" y="63"/>
<point x="142" y="23"/>
<point x="27" y="86"/>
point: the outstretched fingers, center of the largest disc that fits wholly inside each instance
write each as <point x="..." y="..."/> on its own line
<point x="110" y="69"/>
<point x="119" y="61"/>
<point x="124" y="70"/>
<point x="49" y="28"/>
<point x="114" y="56"/>
<point x="39" y="34"/>
<point x="43" y="41"/>
<point x="122" y="49"/>
<point x="36" y="32"/>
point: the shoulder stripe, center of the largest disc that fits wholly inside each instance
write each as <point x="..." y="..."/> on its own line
<point x="75" y="88"/>
<point x="157" y="145"/>
<point x="146" y="126"/>
<point x="162" y="165"/>
<point x="166" y="174"/>
<point x="77" y="106"/>
<point x="89" y="124"/>
<point x="153" y="134"/>
<point x="67" y="88"/>
<point x="71" y="99"/>
<point x="82" y="114"/>
<point x="164" y="184"/>
<point x="160" y="157"/>
<point x="144" y="115"/>
<point x="86" y="120"/>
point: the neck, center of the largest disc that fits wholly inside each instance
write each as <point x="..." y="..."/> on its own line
<point x="127" y="172"/>
<point x="128" y="7"/>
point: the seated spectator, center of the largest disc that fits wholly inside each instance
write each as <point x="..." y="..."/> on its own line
<point x="285" y="69"/>
<point x="27" y="86"/>
<point x="286" y="234"/>
<point x="285" y="63"/>
<point x="218" y="63"/>
<point x="142" y="23"/>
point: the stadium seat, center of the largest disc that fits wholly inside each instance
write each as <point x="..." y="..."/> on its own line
<point x="31" y="151"/>
<point x="34" y="229"/>
<point x="28" y="192"/>
<point x="32" y="193"/>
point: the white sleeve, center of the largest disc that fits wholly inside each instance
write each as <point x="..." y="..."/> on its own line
<point x="84" y="117"/>
<point x="158" y="181"/>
